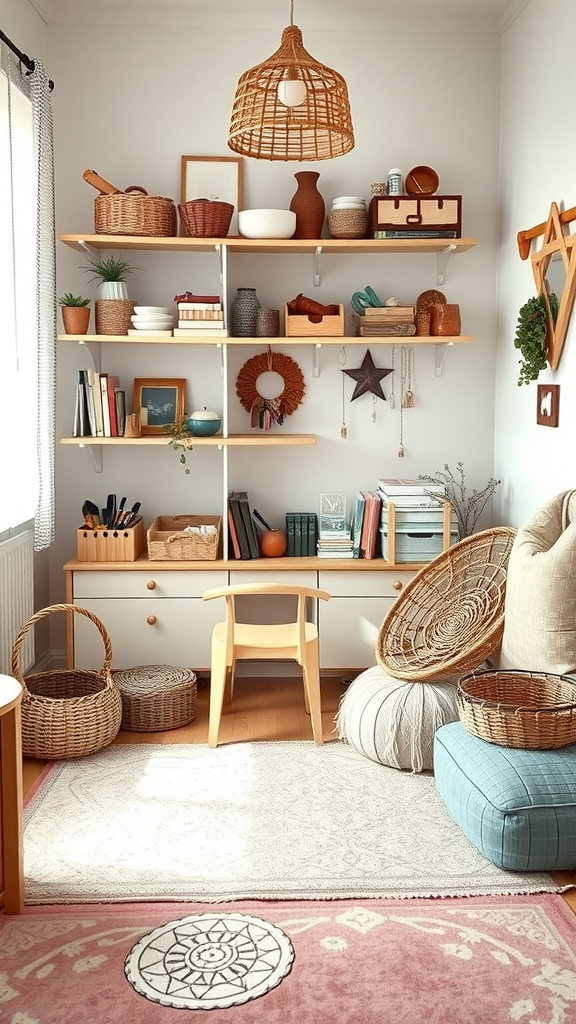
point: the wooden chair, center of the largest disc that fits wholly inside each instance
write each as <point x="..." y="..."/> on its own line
<point x="233" y="641"/>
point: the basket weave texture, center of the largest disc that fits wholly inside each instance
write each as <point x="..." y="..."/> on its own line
<point x="205" y="218"/>
<point x="526" y="710"/>
<point x="168" y="542"/>
<point x="156" y="697"/>
<point x="134" y="212"/>
<point x="67" y="712"/>
<point x="450" y="616"/>
<point x="113" y="316"/>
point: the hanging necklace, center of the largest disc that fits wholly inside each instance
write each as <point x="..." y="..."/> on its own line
<point x="407" y="374"/>
<point x="392" y="397"/>
<point x="342" y="361"/>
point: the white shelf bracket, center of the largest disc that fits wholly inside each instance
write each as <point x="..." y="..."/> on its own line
<point x="316" y="360"/>
<point x="439" y="357"/>
<point x="93" y="349"/>
<point x="442" y="262"/>
<point x="218" y="249"/>
<point x="317" y="255"/>
<point x="96" y="453"/>
<point x="89" y="249"/>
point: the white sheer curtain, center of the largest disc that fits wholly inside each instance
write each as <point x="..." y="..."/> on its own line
<point x="28" y="312"/>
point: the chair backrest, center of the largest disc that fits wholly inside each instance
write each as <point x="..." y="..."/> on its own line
<point x="271" y="590"/>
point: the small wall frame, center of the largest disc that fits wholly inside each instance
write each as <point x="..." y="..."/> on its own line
<point x="547" y="410"/>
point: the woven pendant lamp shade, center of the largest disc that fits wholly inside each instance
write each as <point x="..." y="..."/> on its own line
<point x="261" y="126"/>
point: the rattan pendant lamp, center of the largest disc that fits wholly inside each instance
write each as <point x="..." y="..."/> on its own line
<point x="291" y="107"/>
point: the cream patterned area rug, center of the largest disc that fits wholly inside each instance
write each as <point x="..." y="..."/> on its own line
<point x="278" y="820"/>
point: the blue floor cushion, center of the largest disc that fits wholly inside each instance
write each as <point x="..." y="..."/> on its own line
<point x="518" y="807"/>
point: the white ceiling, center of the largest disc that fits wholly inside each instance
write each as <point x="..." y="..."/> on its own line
<point x="429" y="15"/>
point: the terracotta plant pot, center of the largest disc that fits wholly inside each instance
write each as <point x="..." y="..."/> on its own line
<point x="76" y="319"/>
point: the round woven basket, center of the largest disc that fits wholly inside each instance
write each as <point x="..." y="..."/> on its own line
<point x="156" y="697"/>
<point x="134" y="212"/>
<point x="205" y="218"/>
<point x="450" y="616"/>
<point x="67" y="712"/>
<point x="347" y="223"/>
<point x="527" y="710"/>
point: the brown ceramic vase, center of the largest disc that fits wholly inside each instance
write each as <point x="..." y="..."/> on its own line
<point x="308" y="205"/>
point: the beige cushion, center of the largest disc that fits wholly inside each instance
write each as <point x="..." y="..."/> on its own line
<point x="540" y="603"/>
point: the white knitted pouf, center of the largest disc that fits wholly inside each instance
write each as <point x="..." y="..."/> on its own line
<point x="393" y="721"/>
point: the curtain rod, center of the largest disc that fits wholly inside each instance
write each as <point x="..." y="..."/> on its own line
<point x="22" y="57"/>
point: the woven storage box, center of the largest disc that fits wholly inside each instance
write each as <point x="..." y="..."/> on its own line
<point x="67" y="712"/>
<point x="167" y="541"/>
<point x="527" y="710"/>
<point x="347" y="223"/>
<point x="156" y="697"/>
<point x="205" y="218"/>
<point x="111" y="545"/>
<point x="134" y="212"/>
<point x="297" y="326"/>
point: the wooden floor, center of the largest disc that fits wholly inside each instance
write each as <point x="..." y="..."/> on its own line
<point x="263" y="709"/>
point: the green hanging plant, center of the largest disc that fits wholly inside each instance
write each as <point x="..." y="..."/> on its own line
<point x="180" y="439"/>
<point x="531" y="335"/>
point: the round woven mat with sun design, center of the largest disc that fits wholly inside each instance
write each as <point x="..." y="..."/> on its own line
<point x="209" y="961"/>
<point x="265" y="411"/>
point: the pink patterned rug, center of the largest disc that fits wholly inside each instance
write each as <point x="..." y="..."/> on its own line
<point x="473" y="960"/>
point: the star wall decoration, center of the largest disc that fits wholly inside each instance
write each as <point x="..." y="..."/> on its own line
<point x="368" y="378"/>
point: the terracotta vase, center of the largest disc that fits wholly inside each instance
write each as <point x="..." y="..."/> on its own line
<point x="308" y="205"/>
<point x="76" y="319"/>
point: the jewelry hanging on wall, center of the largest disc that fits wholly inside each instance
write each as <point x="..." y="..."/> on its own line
<point x="342" y="361"/>
<point x="373" y="408"/>
<point x="392" y="396"/>
<point x="401" y="451"/>
<point x="407" y="375"/>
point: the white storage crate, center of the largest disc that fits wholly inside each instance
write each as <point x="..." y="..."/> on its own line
<point x="416" y="545"/>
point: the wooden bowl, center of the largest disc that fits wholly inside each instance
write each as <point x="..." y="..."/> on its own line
<point x="421" y="181"/>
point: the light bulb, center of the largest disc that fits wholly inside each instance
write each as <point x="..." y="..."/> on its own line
<point x="291" y="92"/>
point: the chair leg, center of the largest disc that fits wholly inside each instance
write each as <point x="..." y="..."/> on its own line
<point x="218" y="677"/>
<point x="311" y="673"/>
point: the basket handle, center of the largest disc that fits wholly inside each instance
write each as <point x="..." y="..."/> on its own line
<point x="136" y="188"/>
<point x="42" y="614"/>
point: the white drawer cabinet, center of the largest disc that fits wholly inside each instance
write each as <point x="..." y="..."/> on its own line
<point x="350" y="622"/>
<point x="153" y="617"/>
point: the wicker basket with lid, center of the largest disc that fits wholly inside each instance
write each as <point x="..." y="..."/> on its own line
<point x="156" y="697"/>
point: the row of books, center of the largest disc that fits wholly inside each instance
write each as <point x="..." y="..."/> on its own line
<point x="301" y="533"/>
<point x="241" y="526"/>
<point x="366" y="524"/>
<point x="100" y="407"/>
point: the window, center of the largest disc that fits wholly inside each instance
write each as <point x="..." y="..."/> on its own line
<point x="19" y="486"/>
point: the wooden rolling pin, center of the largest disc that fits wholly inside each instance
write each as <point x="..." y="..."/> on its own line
<point x="101" y="184"/>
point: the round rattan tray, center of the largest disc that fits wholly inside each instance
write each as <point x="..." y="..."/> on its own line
<point x="526" y="710"/>
<point x="450" y="616"/>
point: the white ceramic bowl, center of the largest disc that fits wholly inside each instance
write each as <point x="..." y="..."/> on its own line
<point x="141" y="324"/>
<point x="163" y="317"/>
<point x="153" y="310"/>
<point x="266" y="223"/>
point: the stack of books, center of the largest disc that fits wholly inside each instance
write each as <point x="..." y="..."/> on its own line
<point x="241" y="526"/>
<point x="390" y="321"/>
<point x="202" y="314"/>
<point x="301" y="533"/>
<point x="365" y="524"/>
<point x="419" y="519"/>
<point x="100" y="409"/>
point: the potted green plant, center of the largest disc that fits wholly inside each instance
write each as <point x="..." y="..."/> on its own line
<point x="180" y="439"/>
<point x="75" y="313"/>
<point x="531" y="338"/>
<point x="110" y="273"/>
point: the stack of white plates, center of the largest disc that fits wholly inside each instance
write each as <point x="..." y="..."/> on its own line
<point x="349" y="203"/>
<point x="152" y="320"/>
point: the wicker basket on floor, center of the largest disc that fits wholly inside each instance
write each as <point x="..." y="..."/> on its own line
<point x="156" y="697"/>
<point x="450" y="616"/>
<point x="67" y="712"/>
<point x="526" y="710"/>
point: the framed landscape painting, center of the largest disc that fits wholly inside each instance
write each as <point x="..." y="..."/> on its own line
<point x="160" y="402"/>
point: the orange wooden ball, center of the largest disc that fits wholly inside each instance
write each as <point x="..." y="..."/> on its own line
<point x="273" y="543"/>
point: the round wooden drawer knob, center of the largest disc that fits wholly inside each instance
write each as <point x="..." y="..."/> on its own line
<point x="397" y="585"/>
<point x="151" y="620"/>
<point x="151" y="585"/>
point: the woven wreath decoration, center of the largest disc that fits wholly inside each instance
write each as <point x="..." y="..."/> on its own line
<point x="265" y="411"/>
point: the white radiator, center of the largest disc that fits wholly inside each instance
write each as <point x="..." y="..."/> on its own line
<point x="16" y="598"/>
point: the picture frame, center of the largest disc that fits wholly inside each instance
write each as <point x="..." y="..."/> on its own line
<point x="160" y="402"/>
<point x="214" y="177"/>
<point x="547" y="410"/>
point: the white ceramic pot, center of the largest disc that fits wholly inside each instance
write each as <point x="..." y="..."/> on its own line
<point x="266" y="223"/>
<point x="112" y="290"/>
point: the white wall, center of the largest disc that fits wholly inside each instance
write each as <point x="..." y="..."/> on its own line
<point x="538" y="156"/>
<point x="131" y="100"/>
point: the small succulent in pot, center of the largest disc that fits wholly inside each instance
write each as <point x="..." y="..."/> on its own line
<point x="75" y="313"/>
